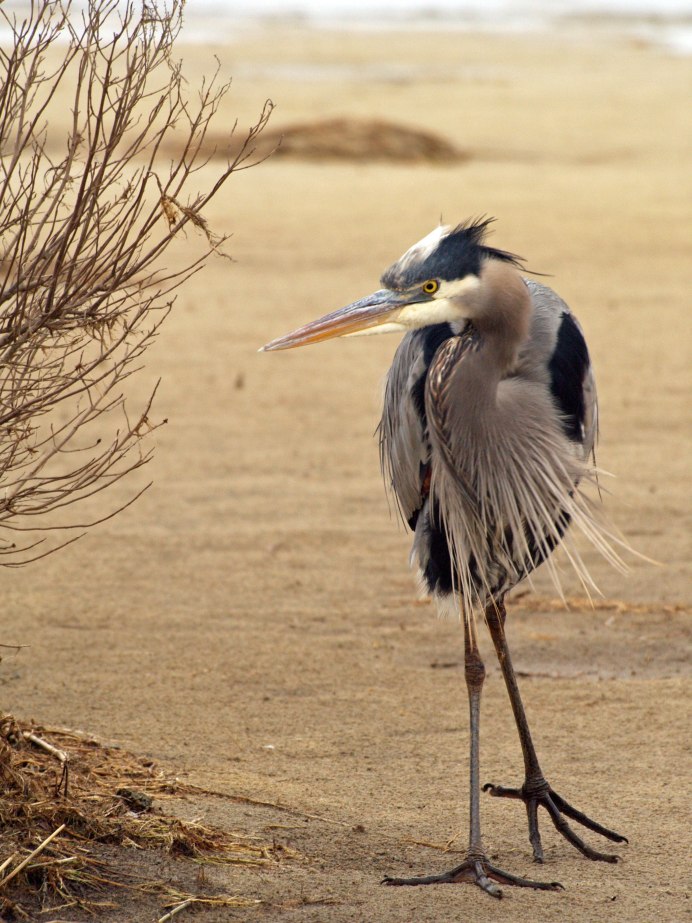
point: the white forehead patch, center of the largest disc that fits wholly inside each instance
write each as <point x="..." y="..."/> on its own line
<point x="424" y="247"/>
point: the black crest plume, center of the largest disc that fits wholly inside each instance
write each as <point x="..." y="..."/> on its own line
<point x="470" y="236"/>
<point x="458" y="253"/>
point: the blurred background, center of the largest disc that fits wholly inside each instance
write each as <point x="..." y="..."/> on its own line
<point x="252" y="619"/>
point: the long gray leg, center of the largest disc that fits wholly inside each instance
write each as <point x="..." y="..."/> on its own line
<point x="475" y="868"/>
<point x="535" y="791"/>
<point x="474" y="673"/>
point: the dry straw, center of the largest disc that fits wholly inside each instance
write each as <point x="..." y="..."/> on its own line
<point x="66" y="796"/>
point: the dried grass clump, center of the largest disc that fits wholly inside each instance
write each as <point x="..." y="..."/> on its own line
<point x="63" y="794"/>
<point x="352" y="139"/>
<point x="362" y="139"/>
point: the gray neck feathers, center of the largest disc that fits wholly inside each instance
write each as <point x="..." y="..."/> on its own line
<point x="503" y="314"/>
<point x="502" y="317"/>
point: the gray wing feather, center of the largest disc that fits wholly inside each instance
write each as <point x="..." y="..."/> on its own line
<point x="535" y="358"/>
<point x="404" y="446"/>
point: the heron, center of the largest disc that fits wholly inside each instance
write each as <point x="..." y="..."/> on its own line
<point x="487" y="442"/>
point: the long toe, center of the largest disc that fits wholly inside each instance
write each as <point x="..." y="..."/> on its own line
<point x="539" y="794"/>
<point x="476" y="870"/>
<point x="566" y="808"/>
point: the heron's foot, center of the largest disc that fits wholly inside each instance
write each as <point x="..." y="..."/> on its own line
<point x="478" y="871"/>
<point x="540" y="793"/>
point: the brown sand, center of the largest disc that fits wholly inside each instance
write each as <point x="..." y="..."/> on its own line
<point x="251" y="621"/>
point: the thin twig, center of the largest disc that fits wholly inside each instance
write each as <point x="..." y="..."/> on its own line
<point x="60" y="755"/>
<point x="67" y="860"/>
<point x="39" y="849"/>
<point x="176" y="910"/>
<point x="244" y="799"/>
<point x="49" y="748"/>
<point x="7" y="862"/>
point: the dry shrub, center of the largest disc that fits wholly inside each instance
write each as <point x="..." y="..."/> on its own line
<point x="85" y="221"/>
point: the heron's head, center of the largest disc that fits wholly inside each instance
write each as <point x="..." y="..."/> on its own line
<point x="441" y="279"/>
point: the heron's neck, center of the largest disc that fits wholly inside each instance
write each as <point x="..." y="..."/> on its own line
<point x="503" y="315"/>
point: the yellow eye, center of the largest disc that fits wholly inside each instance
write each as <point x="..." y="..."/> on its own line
<point x="431" y="286"/>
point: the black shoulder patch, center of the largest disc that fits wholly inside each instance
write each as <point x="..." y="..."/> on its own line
<point x="432" y="338"/>
<point x="568" y="367"/>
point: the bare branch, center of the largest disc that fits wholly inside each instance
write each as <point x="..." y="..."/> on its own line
<point x="84" y="221"/>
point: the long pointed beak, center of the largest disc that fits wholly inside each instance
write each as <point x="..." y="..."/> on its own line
<point x="374" y="310"/>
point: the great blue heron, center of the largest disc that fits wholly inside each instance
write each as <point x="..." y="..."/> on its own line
<point x="486" y="436"/>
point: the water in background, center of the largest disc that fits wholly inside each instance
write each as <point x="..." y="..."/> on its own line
<point x="667" y="23"/>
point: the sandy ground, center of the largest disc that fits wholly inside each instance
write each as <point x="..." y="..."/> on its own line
<point x="251" y="622"/>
